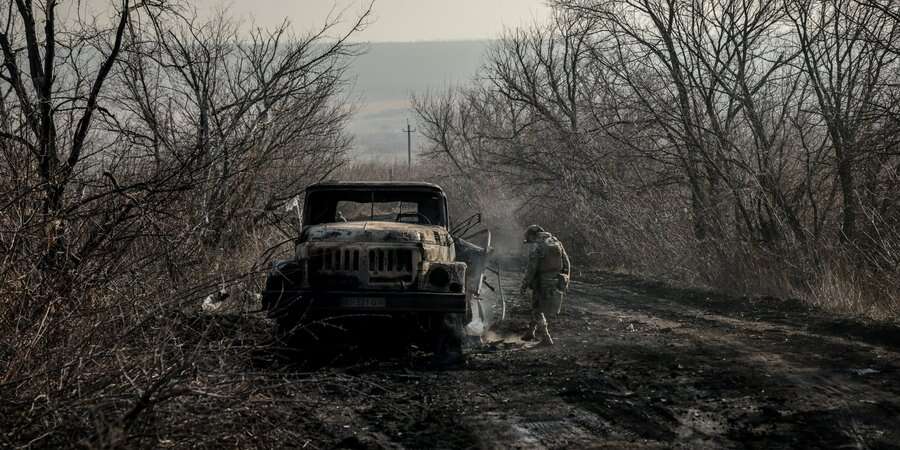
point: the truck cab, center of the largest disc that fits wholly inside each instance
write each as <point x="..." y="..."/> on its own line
<point x="373" y="248"/>
<point x="382" y="247"/>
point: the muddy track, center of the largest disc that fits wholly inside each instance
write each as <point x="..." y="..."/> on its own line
<point x="636" y="365"/>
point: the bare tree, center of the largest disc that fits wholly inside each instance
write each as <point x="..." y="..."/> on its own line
<point x="261" y="112"/>
<point x="144" y="163"/>
<point x="123" y="123"/>
<point x="30" y="61"/>
<point x="846" y="69"/>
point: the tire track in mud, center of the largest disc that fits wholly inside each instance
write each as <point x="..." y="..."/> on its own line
<point x="805" y="379"/>
<point x="636" y="369"/>
<point x="775" y="347"/>
<point x="636" y="366"/>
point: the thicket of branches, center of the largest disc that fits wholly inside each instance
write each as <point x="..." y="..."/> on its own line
<point x="751" y="145"/>
<point x="146" y="160"/>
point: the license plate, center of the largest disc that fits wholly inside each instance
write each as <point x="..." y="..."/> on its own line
<point x="363" y="302"/>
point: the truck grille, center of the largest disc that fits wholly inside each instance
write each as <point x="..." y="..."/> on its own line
<point x="335" y="260"/>
<point x="390" y="261"/>
<point x="355" y="266"/>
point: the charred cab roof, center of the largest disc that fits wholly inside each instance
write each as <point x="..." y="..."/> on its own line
<point x="322" y="198"/>
<point x="374" y="186"/>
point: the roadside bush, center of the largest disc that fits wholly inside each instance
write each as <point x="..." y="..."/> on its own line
<point x="162" y="169"/>
<point x="632" y="131"/>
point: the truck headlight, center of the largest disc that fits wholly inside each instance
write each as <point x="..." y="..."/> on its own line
<point x="439" y="277"/>
<point x="302" y="251"/>
<point x="445" y="277"/>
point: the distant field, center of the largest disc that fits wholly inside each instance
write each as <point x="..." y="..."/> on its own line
<point x="385" y="77"/>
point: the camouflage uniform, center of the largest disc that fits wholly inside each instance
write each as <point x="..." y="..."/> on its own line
<point x="547" y="276"/>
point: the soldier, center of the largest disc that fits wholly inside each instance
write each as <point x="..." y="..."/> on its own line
<point x="547" y="276"/>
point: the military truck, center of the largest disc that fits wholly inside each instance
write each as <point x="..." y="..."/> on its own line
<point x="373" y="250"/>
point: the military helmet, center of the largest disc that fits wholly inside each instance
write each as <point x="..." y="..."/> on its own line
<point x="532" y="231"/>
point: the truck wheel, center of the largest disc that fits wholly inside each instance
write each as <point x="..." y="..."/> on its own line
<point x="285" y="328"/>
<point x="447" y="341"/>
<point x="281" y="279"/>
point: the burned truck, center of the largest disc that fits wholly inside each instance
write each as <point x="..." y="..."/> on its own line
<point x="381" y="250"/>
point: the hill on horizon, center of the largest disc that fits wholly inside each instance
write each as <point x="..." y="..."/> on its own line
<point x="383" y="80"/>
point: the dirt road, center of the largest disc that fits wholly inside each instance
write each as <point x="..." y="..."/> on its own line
<point x="637" y="365"/>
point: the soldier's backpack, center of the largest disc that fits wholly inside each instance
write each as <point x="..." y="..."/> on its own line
<point x="552" y="250"/>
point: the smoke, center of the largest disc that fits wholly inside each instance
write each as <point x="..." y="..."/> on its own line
<point x="467" y="194"/>
<point x="493" y="337"/>
<point x="499" y="207"/>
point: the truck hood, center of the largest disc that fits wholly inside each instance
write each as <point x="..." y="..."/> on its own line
<point x="374" y="231"/>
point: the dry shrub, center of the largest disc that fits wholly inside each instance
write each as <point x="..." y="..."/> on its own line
<point x="104" y="264"/>
<point x="651" y="235"/>
<point x="94" y="368"/>
<point x="839" y="283"/>
<point x="628" y="130"/>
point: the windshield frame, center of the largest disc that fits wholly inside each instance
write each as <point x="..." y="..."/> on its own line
<point x="313" y="202"/>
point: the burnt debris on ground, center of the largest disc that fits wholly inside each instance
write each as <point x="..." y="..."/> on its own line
<point x="636" y="365"/>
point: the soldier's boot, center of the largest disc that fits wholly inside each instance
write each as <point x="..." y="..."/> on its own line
<point x="530" y="334"/>
<point x="533" y="324"/>
<point x="546" y="339"/>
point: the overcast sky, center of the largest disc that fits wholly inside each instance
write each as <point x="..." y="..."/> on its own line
<point x="384" y="78"/>
<point x="402" y="20"/>
<point x="391" y="21"/>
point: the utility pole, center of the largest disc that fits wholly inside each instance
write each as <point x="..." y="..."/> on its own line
<point x="409" y="131"/>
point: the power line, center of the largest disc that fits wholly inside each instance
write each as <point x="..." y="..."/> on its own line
<point x="409" y="131"/>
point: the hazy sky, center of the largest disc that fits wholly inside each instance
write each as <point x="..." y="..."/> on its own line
<point x="391" y="21"/>
<point x="399" y="20"/>
<point x="384" y="78"/>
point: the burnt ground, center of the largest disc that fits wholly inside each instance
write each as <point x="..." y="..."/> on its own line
<point x="636" y="365"/>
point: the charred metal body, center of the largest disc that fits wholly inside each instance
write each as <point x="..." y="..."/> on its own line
<point x="376" y="249"/>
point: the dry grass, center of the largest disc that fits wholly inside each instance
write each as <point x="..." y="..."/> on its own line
<point x="845" y="288"/>
<point x="839" y="280"/>
<point x="651" y="235"/>
<point x="93" y="367"/>
<point x="136" y="363"/>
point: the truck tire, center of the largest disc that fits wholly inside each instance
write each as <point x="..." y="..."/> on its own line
<point x="282" y="278"/>
<point x="447" y="339"/>
<point x="286" y="328"/>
